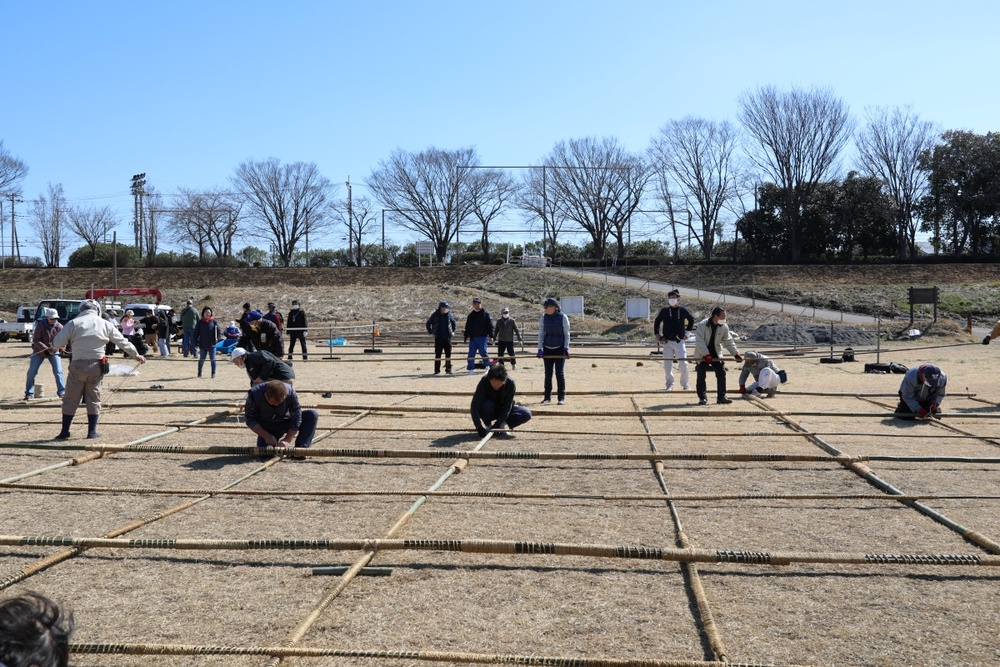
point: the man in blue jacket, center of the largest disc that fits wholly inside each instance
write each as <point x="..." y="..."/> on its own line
<point x="441" y="324"/>
<point x="921" y="393"/>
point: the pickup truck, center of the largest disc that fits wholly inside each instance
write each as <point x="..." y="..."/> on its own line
<point x="19" y="330"/>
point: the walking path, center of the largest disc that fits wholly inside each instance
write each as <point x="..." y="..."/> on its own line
<point x="719" y="297"/>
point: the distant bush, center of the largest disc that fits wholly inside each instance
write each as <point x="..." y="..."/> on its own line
<point x="103" y="256"/>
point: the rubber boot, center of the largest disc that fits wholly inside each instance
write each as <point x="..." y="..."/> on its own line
<point x="92" y="427"/>
<point x="64" y="433"/>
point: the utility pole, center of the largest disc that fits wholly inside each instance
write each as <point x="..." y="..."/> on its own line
<point x="138" y="223"/>
<point x="15" y="248"/>
<point x="350" y="224"/>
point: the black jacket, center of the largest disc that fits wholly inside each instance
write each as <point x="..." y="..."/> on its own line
<point x="676" y="323"/>
<point x="265" y="366"/>
<point x="267" y="337"/>
<point x="441" y="325"/>
<point x="296" y="320"/>
<point x="479" y="324"/>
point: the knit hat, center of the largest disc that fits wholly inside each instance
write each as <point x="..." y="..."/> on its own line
<point x="550" y="302"/>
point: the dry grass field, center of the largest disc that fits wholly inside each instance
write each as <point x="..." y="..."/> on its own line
<point x="451" y="606"/>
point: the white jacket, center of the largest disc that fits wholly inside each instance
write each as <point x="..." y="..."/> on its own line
<point x="702" y="334"/>
<point x="88" y="334"/>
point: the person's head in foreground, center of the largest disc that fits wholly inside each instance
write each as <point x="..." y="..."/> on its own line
<point x="34" y="632"/>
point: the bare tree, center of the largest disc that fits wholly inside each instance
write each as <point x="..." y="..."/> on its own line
<point x="286" y="202"/>
<point x="91" y="225"/>
<point x="11" y="168"/>
<point x="889" y="148"/>
<point x="207" y="221"/>
<point x="598" y="185"/>
<point x="359" y="219"/>
<point x="431" y="191"/>
<point x="535" y="198"/>
<point x="48" y="214"/>
<point x="698" y="155"/>
<point x="492" y="190"/>
<point x="798" y="136"/>
<point x="151" y="226"/>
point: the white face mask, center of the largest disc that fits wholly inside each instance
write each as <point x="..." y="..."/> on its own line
<point x="672" y="302"/>
<point x="722" y="321"/>
<point x="505" y="315"/>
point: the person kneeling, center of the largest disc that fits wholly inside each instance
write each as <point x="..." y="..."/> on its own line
<point x="921" y="393"/>
<point x="493" y="403"/>
<point x="273" y="412"/>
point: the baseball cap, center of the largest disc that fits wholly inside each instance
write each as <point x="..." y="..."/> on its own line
<point x="444" y="304"/>
<point x="253" y="316"/>
<point x="505" y="310"/>
<point x="932" y="375"/>
<point x="476" y="299"/>
<point x="236" y="353"/>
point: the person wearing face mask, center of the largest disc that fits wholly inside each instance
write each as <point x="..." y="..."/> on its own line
<point x="921" y="393"/>
<point x="766" y="376"/>
<point x="677" y="322"/>
<point x="504" y="332"/>
<point x="711" y="335"/>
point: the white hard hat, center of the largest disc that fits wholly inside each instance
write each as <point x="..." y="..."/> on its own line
<point x="236" y="353"/>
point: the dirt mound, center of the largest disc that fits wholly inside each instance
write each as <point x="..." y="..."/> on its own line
<point x="811" y="335"/>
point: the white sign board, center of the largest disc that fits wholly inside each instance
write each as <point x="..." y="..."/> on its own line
<point x="571" y="305"/>
<point x="425" y="247"/>
<point x="635" y="308"/>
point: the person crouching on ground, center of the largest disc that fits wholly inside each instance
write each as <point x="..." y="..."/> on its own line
<point x="765" y="374"/>
<point x="88" y="334"/>
<point x="710" y="336"/>
<point x="273" y="412"/>
<point x="262" y="366"/>
<point x="493" y="403"/>
<point x="921" y="393"/>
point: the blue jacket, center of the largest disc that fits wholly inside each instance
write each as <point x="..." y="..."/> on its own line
<point x="441" y="325"/>
<point x="285" y="416"/>
<point x="918" y="395"/>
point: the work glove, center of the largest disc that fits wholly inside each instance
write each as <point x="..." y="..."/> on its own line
<point x="986" y="340"/>
<point x="566" y="352"/>
<point x="738" y="358"/>
<point x="743" y="389"/>
<point x="922" y="414"/>
<point x="935" y="408"/>
<point x="707" y="358"/>
<point x="539" y="355"/>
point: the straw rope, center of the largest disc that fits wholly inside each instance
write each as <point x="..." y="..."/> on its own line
<point x="430" y="656"/>
<point x="500" y="495"/>
<point x="510" y="548"/>
<point x="940" y="424"/>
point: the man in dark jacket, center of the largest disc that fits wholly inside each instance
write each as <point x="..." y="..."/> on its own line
<point x="262" y="366"/>
<point x="272" y="315"/>
<point x="273" y="412"/>
<point x="677" y="322"/>
<point x="441" y="324"/>
<point x="478" y="333"/>
<point x="296" y="327"/>
<point x="265" y="334"/>
<point x="493" y="403"/>
<point x="246" y="340"/>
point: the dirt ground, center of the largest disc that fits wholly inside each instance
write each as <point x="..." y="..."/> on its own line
<point x="526" y="605"/>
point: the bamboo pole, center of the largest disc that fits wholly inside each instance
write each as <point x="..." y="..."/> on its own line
<point x="712" y="632"/>
<point x="425" y="656"/>
<point x="510" y="548"/>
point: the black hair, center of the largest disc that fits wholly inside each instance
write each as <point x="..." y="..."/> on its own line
<point x="497" y="372"/>
<point x="208" y="308"/>
<point x="34" y="630"/>
<point x="718" y="310"/>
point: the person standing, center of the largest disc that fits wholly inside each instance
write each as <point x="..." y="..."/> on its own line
<point x="88" y="334"/>
<point x="493" y="403"/>
<point x="297" y="330"/>
<point x="766" y="375"/>
<point x="677" y="322"/>
<point x="264" y="334"/>
<point x="273" y="412"/>
<point x="189" y="321"/>
<point x="442" y="325"/>
<point x="163" y="333"/>
<point x="478" y="333"/>
<point x="149" y="323"/>
<point x="504" y="333"/>
<point x="922" y="392"/>
<point x="207" y="335"/>
<point x="262" y="366"/>
<point x="711" y="335"/>
<point x="272" y="315"/>
<point x="246" y="339"/>
<point x="45" y="330"/>
<point x="553" y="347"/>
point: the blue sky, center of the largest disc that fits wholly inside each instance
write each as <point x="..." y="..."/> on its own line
<point x="94" y="92"/>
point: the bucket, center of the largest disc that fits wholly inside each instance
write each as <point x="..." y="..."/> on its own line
<point x="39" y="391"/>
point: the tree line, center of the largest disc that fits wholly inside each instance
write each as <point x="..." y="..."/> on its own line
<point x="775" y="181"/>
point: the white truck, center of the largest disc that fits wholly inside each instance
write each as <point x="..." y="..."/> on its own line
<point x="23" y="329"/>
